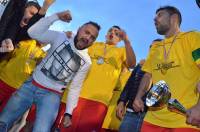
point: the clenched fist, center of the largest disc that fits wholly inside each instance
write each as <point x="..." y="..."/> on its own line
<point x="65" y="16"/>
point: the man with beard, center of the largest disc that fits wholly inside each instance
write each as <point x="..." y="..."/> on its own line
<point x="108" y="61"/>
<point x="66" y="62"/>
<point x="176" y="60"/>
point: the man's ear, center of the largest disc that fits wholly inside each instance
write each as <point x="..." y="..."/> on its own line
<point x="106" y="36"/>
<point x="174" y="18"/>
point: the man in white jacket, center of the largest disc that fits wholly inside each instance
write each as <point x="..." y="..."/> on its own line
<point x="67" y="61"/>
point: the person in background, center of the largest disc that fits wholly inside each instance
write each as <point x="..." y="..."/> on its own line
<point x="131" y="120"/>
<point x="25" y="57"/>
<point x="10" y="81"/>
<point x="32" y="13"/>
<point x="111" y="123"/>
<point x="11" y="13"/>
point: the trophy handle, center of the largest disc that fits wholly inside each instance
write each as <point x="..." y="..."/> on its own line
<point x="175" y="106"/>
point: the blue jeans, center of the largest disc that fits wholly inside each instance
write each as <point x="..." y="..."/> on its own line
<point x="47" y="104"/>
<point x="132" y="122"/>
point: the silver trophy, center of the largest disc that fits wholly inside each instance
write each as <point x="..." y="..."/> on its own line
<point x="159" y="96"/>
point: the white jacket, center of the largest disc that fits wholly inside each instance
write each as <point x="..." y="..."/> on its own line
<point x="63" y="64"/>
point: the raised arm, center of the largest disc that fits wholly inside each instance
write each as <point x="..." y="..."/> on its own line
<point x="45" y="7"/>
<point x="40" y="14"/>
<point x="130" y="55"/>
<point x="40" y="30"/>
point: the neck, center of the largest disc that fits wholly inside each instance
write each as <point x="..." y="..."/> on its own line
<point x="110" y="43"/>
<point x="172" y="32"/>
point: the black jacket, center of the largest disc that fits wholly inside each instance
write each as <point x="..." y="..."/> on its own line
<point x="131" y="88"/>
<point x="22" y="33"/>
<point x="10" y="20"/>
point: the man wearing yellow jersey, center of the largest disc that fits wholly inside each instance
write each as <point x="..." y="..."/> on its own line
<point x="176" y="60"/>
<point x="111" y="123"/>
<point x="97" y="90"/>
<point x="19" y="68"/>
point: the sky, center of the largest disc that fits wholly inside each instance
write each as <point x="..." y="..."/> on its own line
<point x="134" y="16"/>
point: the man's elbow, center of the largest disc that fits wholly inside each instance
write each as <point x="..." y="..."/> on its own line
<point x="131" y="65"/>
<point x="198" y="66"/>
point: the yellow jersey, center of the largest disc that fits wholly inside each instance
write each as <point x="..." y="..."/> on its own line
<point x="22" y="63"/>
<point x="102" y="78"/>
<point x="178" y="67"/>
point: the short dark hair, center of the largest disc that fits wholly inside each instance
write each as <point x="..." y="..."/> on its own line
<point x="94" y="24"/>
<point x="33" y="3"/>
<point x="171" y="10"/>
<point x="115" y="26"/>
<point x="157" y="40"/>
<point x="198" y="3"/>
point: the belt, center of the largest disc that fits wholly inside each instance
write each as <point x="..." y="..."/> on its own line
<point x="42" y="87"/>
<point x="129" y="110"/>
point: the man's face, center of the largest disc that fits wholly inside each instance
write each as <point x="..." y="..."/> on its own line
<point x="113" y="35"/>
<point x="142" y="62"/>
<point x="29" y="12"/>
<point x="86" y="35"/>
<point x="162" y="22"/>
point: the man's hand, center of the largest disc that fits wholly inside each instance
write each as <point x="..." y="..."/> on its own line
<point x="120" y="110"/>
<point x="69" y="34"/>
<point x="138" y="104"/>
<point x="65" y="16"/>
<point x="123" y="36"/>
<point x="46" y="5"/>
<point x="67" y="121"/>
<point x="193" y="116"/>
<point x="7" y="46"/>
<point x="48" y="2"/>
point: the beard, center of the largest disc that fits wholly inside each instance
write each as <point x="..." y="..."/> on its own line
<point x="162" y="29"/>
<point x="76" y="41"/>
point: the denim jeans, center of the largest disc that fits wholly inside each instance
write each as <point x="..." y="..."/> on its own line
<point x="47" y="104"/>
<point x="132" y="122"/>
